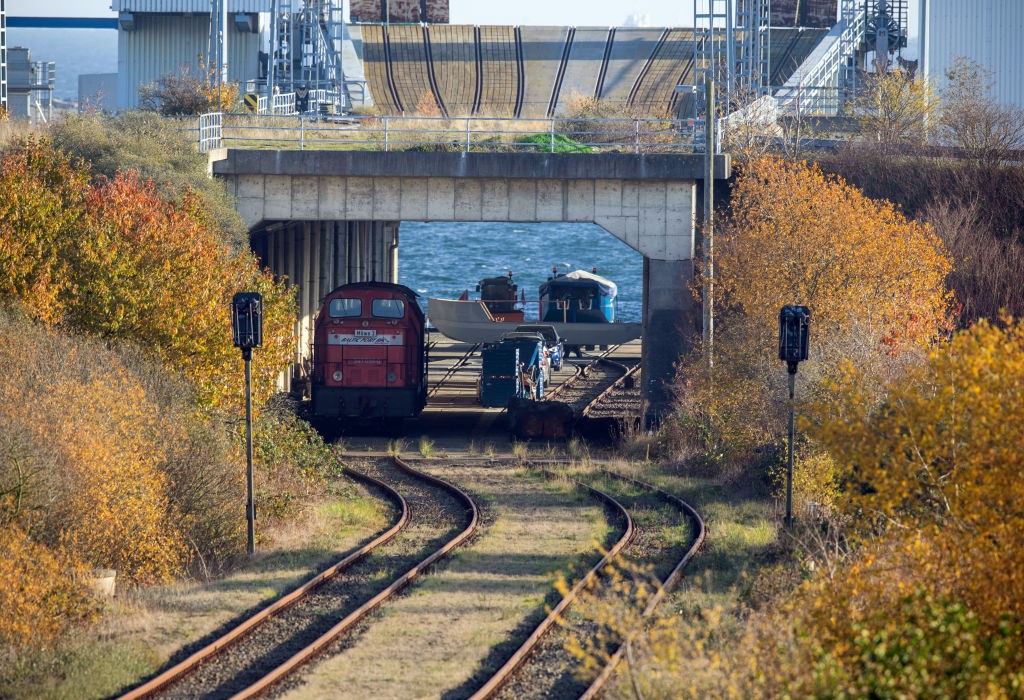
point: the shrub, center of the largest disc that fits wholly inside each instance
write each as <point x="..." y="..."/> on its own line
<point x="40" y="593"/>
<point x="160" y="150"/>
<point x="874" y="282"/>
<point x="188" y="92"/>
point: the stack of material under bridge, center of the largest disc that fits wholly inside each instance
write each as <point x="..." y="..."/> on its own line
<point x="536" y="72"/>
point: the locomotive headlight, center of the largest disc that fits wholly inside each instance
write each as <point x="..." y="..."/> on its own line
<point x="337" y="375"/>
<point x="392" y="377"/>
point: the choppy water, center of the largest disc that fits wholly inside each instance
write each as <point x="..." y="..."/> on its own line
<point x="443" y="259"/>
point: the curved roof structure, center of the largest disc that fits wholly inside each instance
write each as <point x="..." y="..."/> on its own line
<point x="540" y="71"/>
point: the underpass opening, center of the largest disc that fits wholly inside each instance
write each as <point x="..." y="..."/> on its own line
<point x="444" y="259"/>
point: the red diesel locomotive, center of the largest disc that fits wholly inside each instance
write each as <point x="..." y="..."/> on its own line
<point x="369" y="358"/>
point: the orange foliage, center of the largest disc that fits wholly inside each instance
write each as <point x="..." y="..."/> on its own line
<point x="159" y="273"/>
<point x="874" y="283"/>
<point x="38" y="593"/>
<point x="41" y="193"/>
<point x="109" y="500"/>
<point x="870" y="276"/>
<point x="118" y="259"/>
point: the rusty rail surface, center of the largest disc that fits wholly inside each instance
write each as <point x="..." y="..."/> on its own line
<point x="179" y="670"/>
<point x="667" y="585"/>
<point x="182" y="669"/>
<point x="519" y="658"/>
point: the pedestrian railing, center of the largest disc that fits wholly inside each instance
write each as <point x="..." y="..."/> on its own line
<point x="211" y="131"/>
<point x="321" y="129"/>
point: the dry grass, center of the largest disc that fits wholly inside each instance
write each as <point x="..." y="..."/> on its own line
<point x="144" y="627"/>
<point x="432" y="639"/>
<point x="411" y="132"/>
<point x="12" y="131"/>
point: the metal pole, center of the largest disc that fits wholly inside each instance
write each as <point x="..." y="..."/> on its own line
<point x="272" y="59"/>
<point x="709" y="224"/>
<point x="250" y="507"/>
<point x="792" y="431"/>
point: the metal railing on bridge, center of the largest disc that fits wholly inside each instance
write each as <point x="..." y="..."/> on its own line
<point x="313" y="130"/>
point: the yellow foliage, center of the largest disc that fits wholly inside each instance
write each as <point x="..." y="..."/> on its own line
<point x="221" y="98"/>
<point x="41" y="194"/>
<point x="931" y="604"/>
<point x="895" y="109"/>
<point x="107" y="496"/>
<point x="874" y="283"/>
<point x="942" y="458"/>
<point x="38" y="591"/>
<point x="158" y="273"/>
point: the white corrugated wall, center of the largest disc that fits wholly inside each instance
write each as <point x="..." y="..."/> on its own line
<point x="991" y="32"/>
<point x="161" y="44"/>
<point x="187" y="6"/>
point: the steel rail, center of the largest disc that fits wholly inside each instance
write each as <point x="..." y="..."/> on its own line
<point x="626" y="373"/>
<point x="321" y="643"/>
<point x="168" y="677"/>
<point x="459" y="364"/>
<point x="521" y="655"/>
<point x="665" y="586"/>
<point x="582" y="372"/>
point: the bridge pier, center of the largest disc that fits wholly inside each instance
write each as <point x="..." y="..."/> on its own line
<point x="670" y="318"/>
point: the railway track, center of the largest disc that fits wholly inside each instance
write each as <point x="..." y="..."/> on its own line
<point x="459" y="367"/>
<point x="269" y="653"/>
<point x="435" y="517"/>
<point x="593" y="381"/>
<point x="510" y="676"/>
<point x="538" y="669"/>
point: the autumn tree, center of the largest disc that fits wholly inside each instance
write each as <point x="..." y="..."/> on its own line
<point x="42" y="193"/>
<point x="895" y="109"/>
<point x="188" y="92"/>
<point x="987" y="133"/>
<point x="927" y="600"/>
<point x="157" y="273"/>
<point x="873" y="280"/>
<point x="931" y="605"/>
<point x="158" y="149"/>
<point x="126" y="259"/>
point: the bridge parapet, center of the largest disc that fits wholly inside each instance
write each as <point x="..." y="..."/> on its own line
<point x="647" y="201"/>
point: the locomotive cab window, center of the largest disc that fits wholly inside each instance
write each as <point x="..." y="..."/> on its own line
<point x="388" y="308"/>
<point x="343" y="308"/>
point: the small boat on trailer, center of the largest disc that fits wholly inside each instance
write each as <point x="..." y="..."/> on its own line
<point x="580" y="305"/>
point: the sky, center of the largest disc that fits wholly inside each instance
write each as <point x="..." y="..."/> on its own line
<point x="663" y="13"/>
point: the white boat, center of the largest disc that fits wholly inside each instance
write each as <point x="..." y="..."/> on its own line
<point x="469" y="321"/>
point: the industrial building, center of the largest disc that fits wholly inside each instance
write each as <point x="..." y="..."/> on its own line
<point x="393" y="53"/>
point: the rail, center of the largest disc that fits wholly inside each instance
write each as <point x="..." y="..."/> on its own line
<point x="316" y="130"/>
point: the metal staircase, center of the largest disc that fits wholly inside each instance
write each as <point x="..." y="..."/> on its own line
<point x="832" y="75"/>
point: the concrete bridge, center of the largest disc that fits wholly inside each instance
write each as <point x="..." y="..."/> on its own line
<point x="325" y="218"/>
